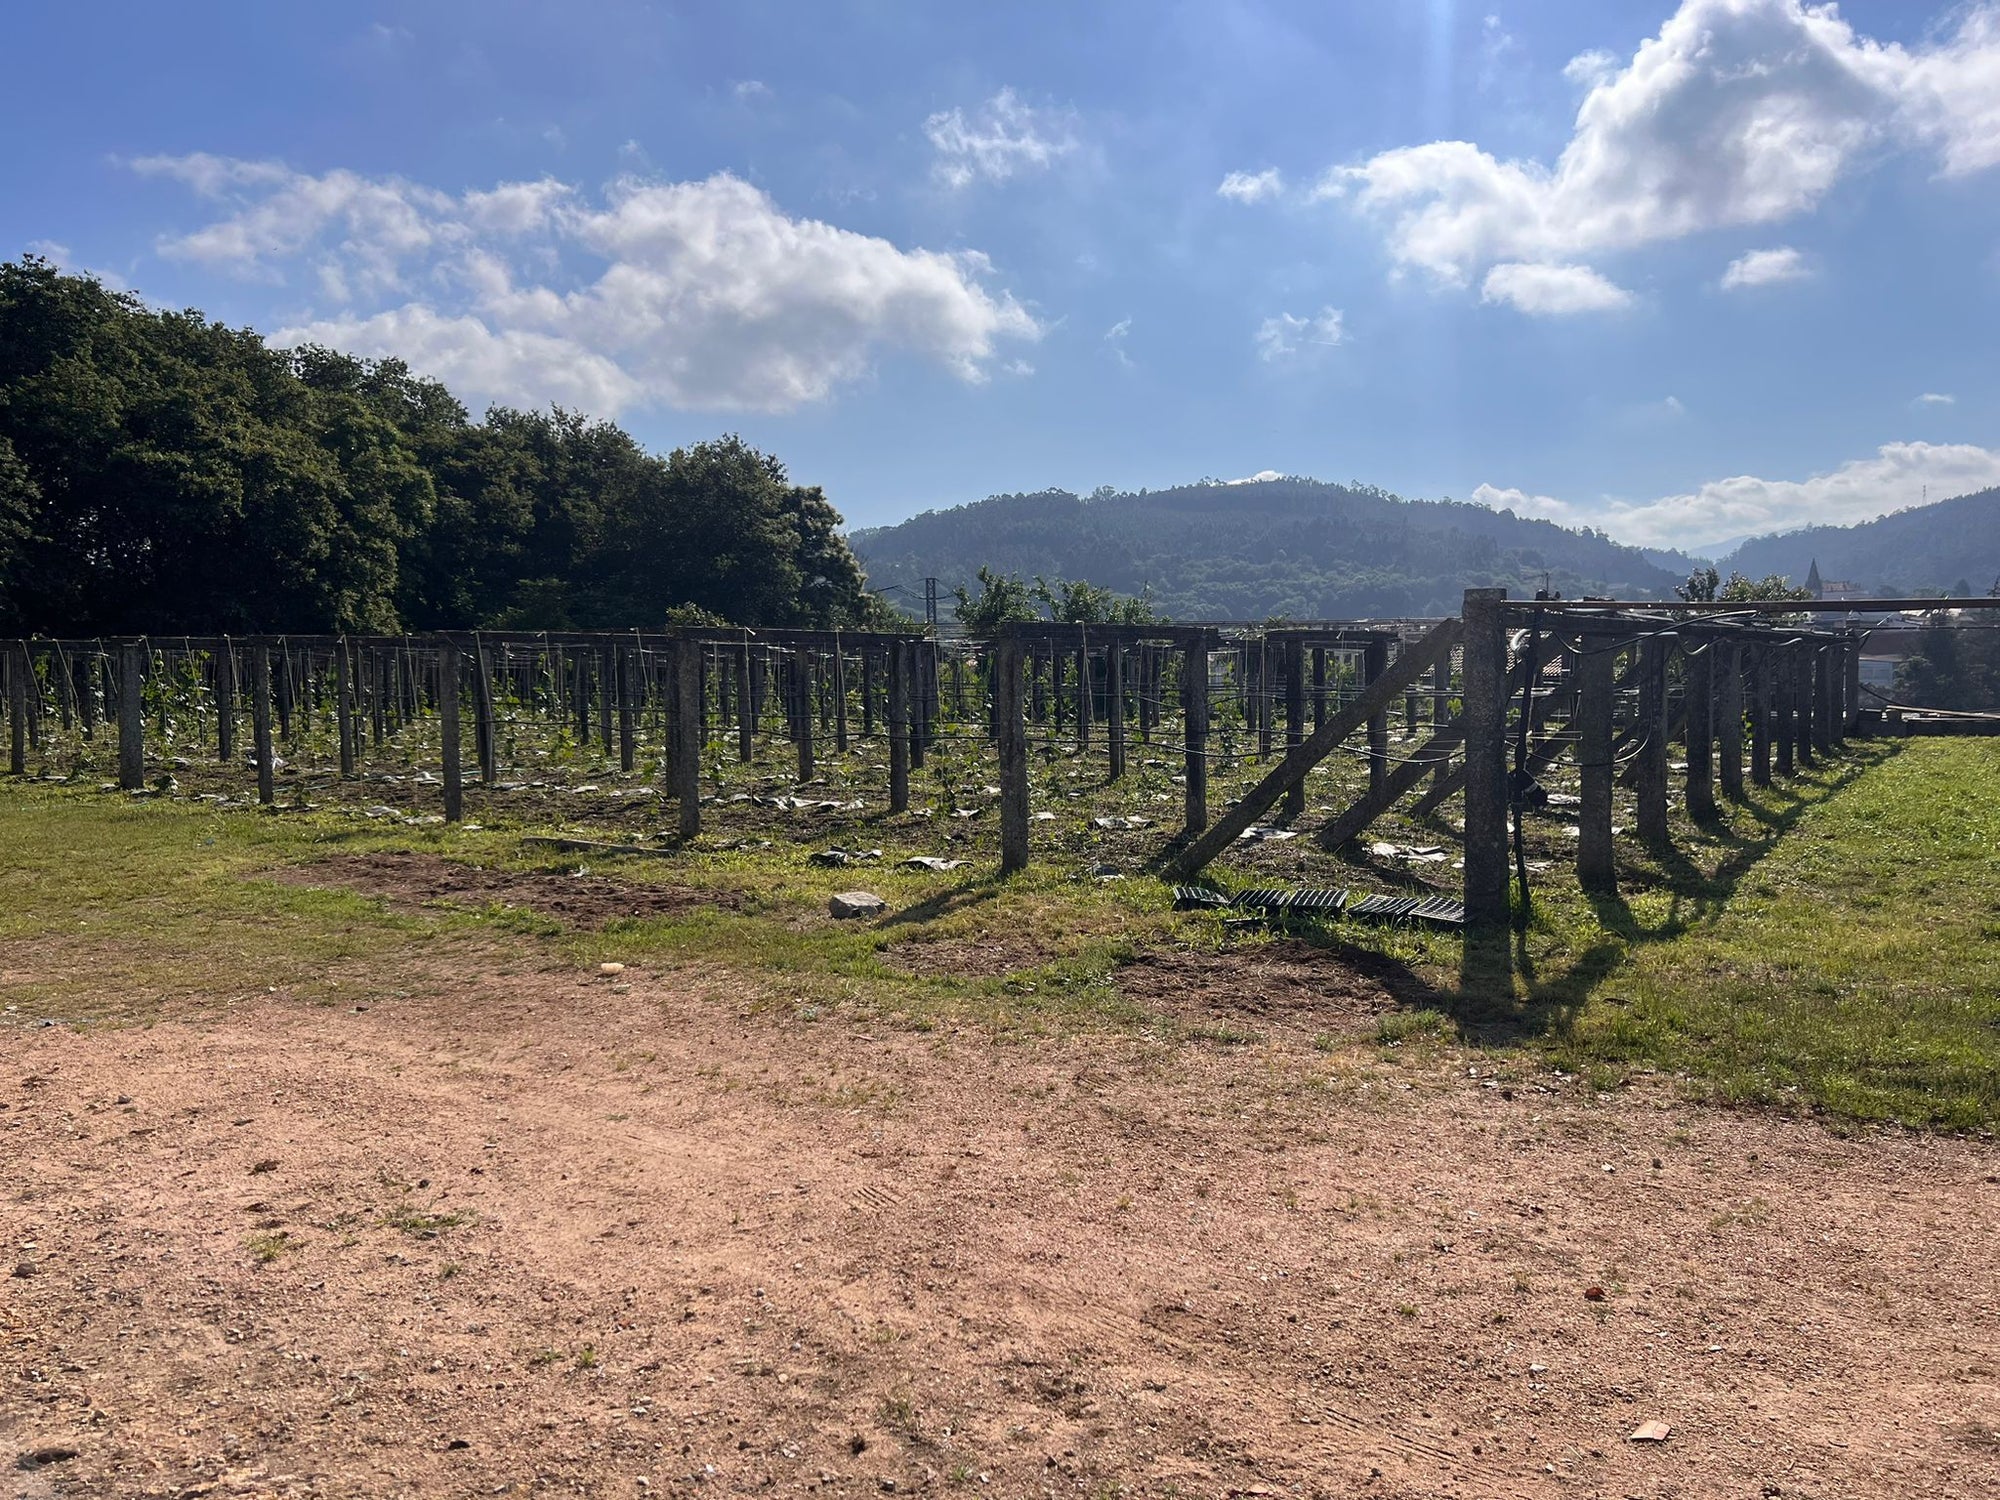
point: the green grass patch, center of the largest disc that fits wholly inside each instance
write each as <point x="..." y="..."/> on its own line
<point x="1835" y="947"/>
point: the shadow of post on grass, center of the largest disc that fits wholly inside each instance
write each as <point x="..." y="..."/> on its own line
<point x="1507" y="994"/>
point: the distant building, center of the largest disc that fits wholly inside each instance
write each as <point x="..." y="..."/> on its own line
<point x="1837" y="590"/>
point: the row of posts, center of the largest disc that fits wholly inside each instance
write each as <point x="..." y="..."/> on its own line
<point x="376" y="689"/>
<point x="1779" y="701"/>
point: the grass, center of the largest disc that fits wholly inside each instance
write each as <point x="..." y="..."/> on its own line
<point x="267" y="1248"/>
<point x="114" y="908"/>
<point x="1850" y="965"/>
<point x="1834" y="945"/>
<point x="423" y="1225"/>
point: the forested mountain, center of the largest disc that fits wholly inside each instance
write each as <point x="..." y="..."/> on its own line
<point x="163" y="473"/>
<point x="1941" y="546"/>
<point x="1284" y="547"/>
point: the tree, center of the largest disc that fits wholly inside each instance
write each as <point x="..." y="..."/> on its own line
<point x="1002" y="599"/>
<point x="1740" y="590"/>
<point x="182" y="473"/>
<point x="1075" y="601"/>
<point x="163" y="473"/>
<point x="719" y="525"/>
<point x="1701" y="585"/>
<point x="1954" y="666"/>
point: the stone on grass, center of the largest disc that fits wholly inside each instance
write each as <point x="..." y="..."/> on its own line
<point x="847" y="904"/>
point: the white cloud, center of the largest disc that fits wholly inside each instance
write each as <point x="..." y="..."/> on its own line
<point x="49" y="250"/>
<point x="1936" y="398"/>
<point x="701" y="295"/>
<point x="1765" y="268"/>
<point x="1673" y="407"/>
<point x="748" y="90"/>
<point x="1546" y="507"/>
<point x="1004" y="138"/>
<point x="1252" y="187"/>
<point x="1739" y="112"/>
<point x="517" y="207"/>
<point x="1951" y="93"/>
<point x="1548" y="290"/>
<point x="1589" y="69"/>
<point x="1262" y="476"/>
<point x="1897" y="475"/>
<point x="1114" y="340"/>
<point x="381" y="222"/>
<point x="1287" y="334"/>
<point x="509" y="365"/>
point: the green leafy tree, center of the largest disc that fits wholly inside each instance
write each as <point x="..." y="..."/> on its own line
<point x="1775" y="586"/>
<point x="1002" y="599"/>
<point x="163" y="473"/>
<point x="1701" y="586"/>
<point x="1075" y="601"/>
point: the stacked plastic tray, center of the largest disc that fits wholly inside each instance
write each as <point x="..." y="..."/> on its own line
<point x="1324" y="901"/>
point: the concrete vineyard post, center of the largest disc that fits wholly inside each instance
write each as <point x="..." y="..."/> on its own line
<point x="260" y="722"/>
<point x="448" y="729"/>
<point x="1487" y="902"/>
<point x="1012" y="741"/>
<point x="1595" y="867"/>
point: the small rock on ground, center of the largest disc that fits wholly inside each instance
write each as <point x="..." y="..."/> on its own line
<point x="856" y="904"/>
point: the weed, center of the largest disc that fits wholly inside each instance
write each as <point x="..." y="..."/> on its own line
<point x="422" y="1225"/>
<point x="268" y="1247"/>
<point x="899" y="1412"/>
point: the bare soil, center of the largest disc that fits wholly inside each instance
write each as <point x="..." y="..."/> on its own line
<point x="984" y="958"/>
<point x="527" y="1232"/>
<point x="579" y="900"/>
<point x="1284" y="988"/>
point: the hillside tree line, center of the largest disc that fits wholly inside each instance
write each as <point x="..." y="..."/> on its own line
<point x="161" y="473"/>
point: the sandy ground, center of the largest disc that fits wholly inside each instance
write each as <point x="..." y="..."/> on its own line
<point x="530" y="1232"/>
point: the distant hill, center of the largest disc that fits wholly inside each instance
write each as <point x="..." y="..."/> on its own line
<point x="1929" y="547"/>
<point x="1290" y="547"/>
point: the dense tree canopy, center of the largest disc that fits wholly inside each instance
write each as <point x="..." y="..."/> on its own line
<point x="162" y="473"/>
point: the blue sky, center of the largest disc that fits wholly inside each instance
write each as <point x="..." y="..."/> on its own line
<point x="1683" y="271"/>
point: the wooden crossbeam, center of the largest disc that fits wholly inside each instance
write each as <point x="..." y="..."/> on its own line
<point x="1416" y="659"/>
<point x="1413" y="769"/>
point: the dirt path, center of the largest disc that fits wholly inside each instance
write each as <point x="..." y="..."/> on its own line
<point x="527" y="1233"/>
